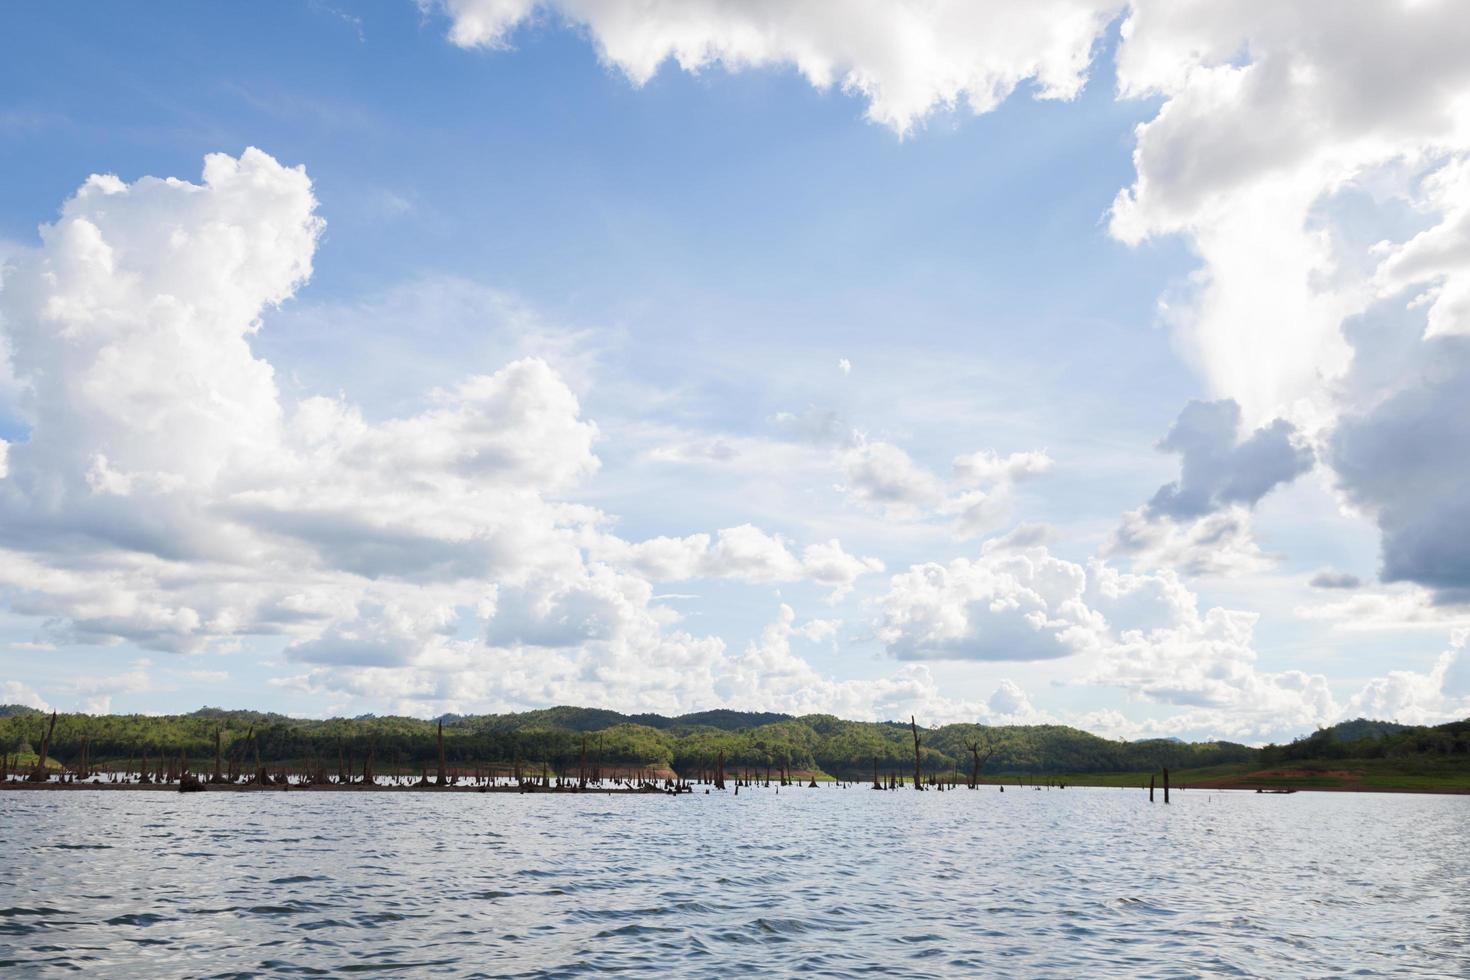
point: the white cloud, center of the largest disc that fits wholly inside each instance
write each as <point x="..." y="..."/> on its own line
<point x="744" y="553"/>
<point x="1200" y="523"/>
<point x="1396" y="608"/>
<point x="883" y="477"/>
<point x="14" y="692"/>
<point x="986" y="467"/>
<point x="1004" y="605"/>
<point x="769" y="675"/>
<point x="1216" y="544"/>
<point x="905" y="58"/>
<point x="1144" y="634"/>
<point x="1286" y="148"/>
<point x="1438" y="256"/>
<point x="1267" y="110"/>
<point x="167" y="495"/>
<point x="1412" y="698"/>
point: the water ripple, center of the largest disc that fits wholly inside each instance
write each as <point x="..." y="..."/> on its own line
<point x="813" y="882"/>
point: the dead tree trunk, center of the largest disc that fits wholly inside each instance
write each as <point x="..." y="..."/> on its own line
<point x="38" y="775"/>
<point x="443" y="779"/>
<point x="976" y="762"/>
<point x="1166" y="785"/>
<point x="918" y="773"/>
<point x="219" y="775"/>
<point x="262" y="778"/>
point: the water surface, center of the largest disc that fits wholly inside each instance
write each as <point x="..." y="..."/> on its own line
<point x="821" y="882"/>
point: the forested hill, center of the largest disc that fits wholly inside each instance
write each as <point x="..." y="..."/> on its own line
<point x="686" y="743"/>
<point x="554" y="736"/>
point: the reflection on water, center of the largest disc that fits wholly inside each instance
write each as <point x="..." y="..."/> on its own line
<point x="827" y="882"/>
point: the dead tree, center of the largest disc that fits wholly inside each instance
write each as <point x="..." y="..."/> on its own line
<point x="918" y="772"/>
<point x="876" y="784"/>
<point x="219" y="775"/>
<point x="39" y="775"/>
<point x="443" y="779"/>
<point x="262" y="778"/>
<point x="977" y="763"/>
<point x="582" y="766"/>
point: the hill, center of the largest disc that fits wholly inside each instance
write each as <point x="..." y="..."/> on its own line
<point x="555" y="737"/>
<point x="817" y="744"/>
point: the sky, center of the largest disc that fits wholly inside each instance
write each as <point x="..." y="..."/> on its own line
<point x="1084" y="362"/>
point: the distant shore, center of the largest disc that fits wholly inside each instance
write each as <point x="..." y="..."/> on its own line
<point x="1267" y="781"/>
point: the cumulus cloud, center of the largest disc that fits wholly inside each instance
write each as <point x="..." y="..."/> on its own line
<point x="1438" y="258"/>
<point x="1403" y="461"/>
<point x="1216" y="544"/>
<point x="744" y="553"/>
<point x="1142" y="633"/>
<point x="1200" y="523"/>
<point x="987" y="467"/>
<point x="1287" y="150"/>
<point x="1164" y="649"/>
<point x="1412" y="698"/>
<point x="768" y="674"/>
<point x="167" y="495"/>
<point x="1004" y="605"/>
<point x="1398" y="607"/>
<point x="904" y="58"/>
<point x="14" y="692"/>
<point x="1266" y="112"/>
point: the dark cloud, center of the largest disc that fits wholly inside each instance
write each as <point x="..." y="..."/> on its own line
<point x="1215" y="470"/>
<point x="1407" y="461"/>
<point x="1329" y="579"/>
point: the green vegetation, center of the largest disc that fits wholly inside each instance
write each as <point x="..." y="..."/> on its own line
<point x="1353" y="755"/>
<point x="1364" y="739"/>
<point x="813" y="744"/>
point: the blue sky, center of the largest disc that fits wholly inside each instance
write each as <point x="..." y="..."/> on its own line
<point x="779" y="312"/>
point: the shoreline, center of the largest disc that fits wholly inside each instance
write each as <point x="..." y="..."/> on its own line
<point x="1241" y="786"/>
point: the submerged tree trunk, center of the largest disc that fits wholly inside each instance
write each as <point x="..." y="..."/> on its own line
<point x="976" y="762"/>
<point x="39" y="775"/>
<point x="219" y="775"/>
<point x="918" y="772"/>
<point x="443" y="779"/>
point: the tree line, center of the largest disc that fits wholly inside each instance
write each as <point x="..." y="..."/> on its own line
<point x="558" y="737"/>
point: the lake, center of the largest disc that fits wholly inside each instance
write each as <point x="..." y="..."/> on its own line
<point x="820" y="882"/>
